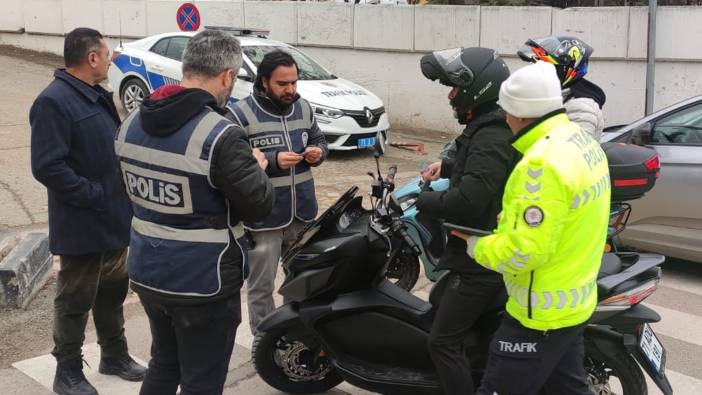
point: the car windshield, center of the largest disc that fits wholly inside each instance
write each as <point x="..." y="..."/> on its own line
<point x="308" y="69"/>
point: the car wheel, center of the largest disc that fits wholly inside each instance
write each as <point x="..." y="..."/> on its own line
<point x="133" y="93"/>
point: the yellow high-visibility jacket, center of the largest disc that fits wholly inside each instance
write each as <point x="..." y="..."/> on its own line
<point x="550" y="238"/>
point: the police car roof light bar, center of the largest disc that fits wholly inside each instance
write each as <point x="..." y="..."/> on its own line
<point x="241" y="31"/>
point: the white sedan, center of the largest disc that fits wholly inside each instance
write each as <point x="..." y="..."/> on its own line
<point x="349" y="116"/>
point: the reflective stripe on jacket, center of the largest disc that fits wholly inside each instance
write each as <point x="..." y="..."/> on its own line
<point x="550" y="238"/>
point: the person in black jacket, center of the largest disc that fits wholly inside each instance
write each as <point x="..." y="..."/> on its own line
<point x="73" y="125"/>
<point x="192" y="178"/>
<point x="478" y="173"/>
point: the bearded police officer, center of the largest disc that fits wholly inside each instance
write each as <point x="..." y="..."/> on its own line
<point x="192" y="177"/>
<point x="548" y="244"/>
<point x="282" y="125"/>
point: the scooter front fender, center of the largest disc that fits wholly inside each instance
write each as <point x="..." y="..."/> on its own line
<point x="285" y="316"/>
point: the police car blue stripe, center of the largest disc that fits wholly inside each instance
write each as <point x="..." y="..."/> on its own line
<point x="126" y="64"/>
<point x="155" y="80"/>
<point x="136" y="65"/>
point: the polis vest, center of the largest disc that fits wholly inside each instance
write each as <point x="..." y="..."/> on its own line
<point x="181" y="226"/>
<point x="294" y="188"/>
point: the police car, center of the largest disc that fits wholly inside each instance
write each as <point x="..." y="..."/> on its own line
<point x="350" y="116"/>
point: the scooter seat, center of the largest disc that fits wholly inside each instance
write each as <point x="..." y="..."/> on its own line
<point x="436" y="293"/>
<point x="611" y="264"/>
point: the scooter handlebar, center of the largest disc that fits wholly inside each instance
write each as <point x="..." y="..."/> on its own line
<point x="409" y="241"/>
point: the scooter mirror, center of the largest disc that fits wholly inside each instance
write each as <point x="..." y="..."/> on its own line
<point x="378" y="147"/>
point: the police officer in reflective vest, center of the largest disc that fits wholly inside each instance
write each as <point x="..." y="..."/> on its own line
<point x="282" y="125"/>
<point x="548" y="244"/>
<point x="192" y="177"/>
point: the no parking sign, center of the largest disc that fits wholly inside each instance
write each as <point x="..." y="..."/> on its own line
<point x="188" y="17"/>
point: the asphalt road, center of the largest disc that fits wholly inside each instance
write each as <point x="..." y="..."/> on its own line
<point x="25" y="335"/>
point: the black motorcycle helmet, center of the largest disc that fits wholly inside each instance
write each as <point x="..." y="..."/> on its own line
<point x="478" y="72"/>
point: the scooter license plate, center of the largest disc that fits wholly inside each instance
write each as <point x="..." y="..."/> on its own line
<point x="367" y="142"/>
<point x="652" y="349"/>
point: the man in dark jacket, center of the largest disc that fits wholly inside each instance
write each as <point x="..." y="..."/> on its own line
<point x="282" y="124"/>
<point x="73" y="127"/>
<point x="192" y="178"/>
<point x="477" y="174"/>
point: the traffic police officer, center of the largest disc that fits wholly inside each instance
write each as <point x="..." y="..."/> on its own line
<point x="548" y="244"/>
<point x="192" y="177"/>
<point x="282" y="125"/>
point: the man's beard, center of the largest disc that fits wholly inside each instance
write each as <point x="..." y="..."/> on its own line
<point x="281" y="101"/>
<point x="223" y="98"/>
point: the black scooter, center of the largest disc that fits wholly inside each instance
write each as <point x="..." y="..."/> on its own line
<point x="346" y="321"/>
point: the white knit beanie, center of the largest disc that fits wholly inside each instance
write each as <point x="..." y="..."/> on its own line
<point x="532" y="91"/>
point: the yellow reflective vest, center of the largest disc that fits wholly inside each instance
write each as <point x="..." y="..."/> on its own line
<point x="551" y="234"/>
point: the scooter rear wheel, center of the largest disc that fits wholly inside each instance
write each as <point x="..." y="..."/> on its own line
<point x="603" y="370"/>
<point x="290" y="366"/>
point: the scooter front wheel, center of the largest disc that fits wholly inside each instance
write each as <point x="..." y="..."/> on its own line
<point x="403" y="271"/>
<point x="290" y="366"/>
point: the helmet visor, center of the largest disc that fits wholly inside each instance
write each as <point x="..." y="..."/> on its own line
<point x="455" y="71"/>
<point x="551" y="44"/>
<point x="545" y="49"/>
<point x="526" y="53"/>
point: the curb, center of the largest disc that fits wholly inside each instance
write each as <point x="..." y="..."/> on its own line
<point x="24" y="267"/>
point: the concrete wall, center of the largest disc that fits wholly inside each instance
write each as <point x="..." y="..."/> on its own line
<point x="380" y="46"/>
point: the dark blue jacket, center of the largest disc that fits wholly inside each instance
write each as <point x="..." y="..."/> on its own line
<point x="73" y="155"/>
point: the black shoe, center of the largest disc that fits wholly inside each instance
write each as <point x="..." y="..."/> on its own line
<point x="124" y="367"/>
<point x="70" y="380"/>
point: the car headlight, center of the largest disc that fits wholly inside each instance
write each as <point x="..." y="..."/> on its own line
<point x="407" y="203"/>
<point x="328" y="112"/>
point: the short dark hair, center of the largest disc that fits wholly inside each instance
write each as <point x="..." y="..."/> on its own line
<point x="270" y="62"/>
<point x="78" y="43"/>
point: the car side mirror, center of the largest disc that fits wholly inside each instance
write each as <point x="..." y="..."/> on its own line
<point x="641" y="135"/>
<point x="244" y="75"/>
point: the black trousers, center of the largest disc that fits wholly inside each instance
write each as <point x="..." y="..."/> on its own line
<point x="97" y="282"/>
<point x="191" y="346"/>
<point x="524" y="361"/>
<point x="462" y="303"/>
